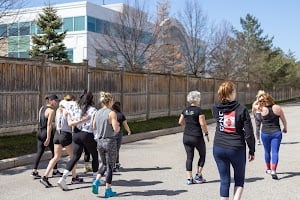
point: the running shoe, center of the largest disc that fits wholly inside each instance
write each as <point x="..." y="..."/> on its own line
<point x="44" y="180"/>
<point x="76" y="180"/>
<point x="274" y="176"/>
<point x="199" y="179"/>
<point x="190" y="181"/>
<point x="117" y="167"/>
<point x="62" y="184"/>
<point x="95" y="186"/>
<point x="268" y="171"/>
<point x="109" y="193"/>
<point x="57" y="173"/>
<point x="35" y="175"/>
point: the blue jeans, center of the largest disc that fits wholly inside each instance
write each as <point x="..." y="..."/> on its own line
<point x="225" y="157"/>
<point x="271" y="142"/>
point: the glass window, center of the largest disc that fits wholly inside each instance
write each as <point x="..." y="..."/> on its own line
<point x="23" y="55"/>
<point x="13" y="29"/>
<point x="68" y="24"/>
<point x="13" y="54"/>
<point x="99" y="26"/>
<point x="33" y="27"/>
<point x="70" y="54"/>
<point x="3" y="30"/>
<point x="79" y="23"/>
<point x="24" y="28"/>
<point x="24" y="43"/>
<point x="91" y="24"/>
<point x="12" y="44"/>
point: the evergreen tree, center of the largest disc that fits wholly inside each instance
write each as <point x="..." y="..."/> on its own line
<point x="49" y="42"/>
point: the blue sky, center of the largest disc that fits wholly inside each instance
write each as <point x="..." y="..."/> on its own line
<point x="278" y="18"/>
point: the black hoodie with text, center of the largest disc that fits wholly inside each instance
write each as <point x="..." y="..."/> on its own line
<point x="234" y="126"/>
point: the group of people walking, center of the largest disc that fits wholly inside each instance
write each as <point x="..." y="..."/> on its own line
<point x="233" y="134"/>
<point x="79" y="125"/>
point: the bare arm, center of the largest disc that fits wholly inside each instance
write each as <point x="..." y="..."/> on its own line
<point x="203" y="124"/>
<point x="50" y="114"/>
<point x="127" y="127"/>
<point x="278" y="111"/>
<point x="114" y="122"/>
<point x="76" y="122"/>
<point x="181" y="120"/>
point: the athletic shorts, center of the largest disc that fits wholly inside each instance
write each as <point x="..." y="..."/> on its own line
<point x="63" y="138"/>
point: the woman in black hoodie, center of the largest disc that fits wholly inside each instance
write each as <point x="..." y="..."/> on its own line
<point x="233" y="128"/>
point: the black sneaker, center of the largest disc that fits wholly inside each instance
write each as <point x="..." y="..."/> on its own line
<point x="45" y="182"/>
<point x="57" y="173"/>
<point x="35" y="175"/>
<point x="77" y="180"/>
<point x="117" y="167"/>
<point x="274" y="176"/>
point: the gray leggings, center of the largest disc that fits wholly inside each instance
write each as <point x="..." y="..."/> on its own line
<point x="107" y="150"/>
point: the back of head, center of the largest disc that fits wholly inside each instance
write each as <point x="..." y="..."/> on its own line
<point x="193" y="96"/>
<point x="117" y="106"/>
<point x="225" y="90"/>
<point x="105" y="98"/>
<point x="85" y="101"/>
<point x="69" y="97"/>
<point x="260" y="93"/>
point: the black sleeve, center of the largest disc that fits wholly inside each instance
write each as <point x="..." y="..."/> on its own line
<point x="249" y="133"/>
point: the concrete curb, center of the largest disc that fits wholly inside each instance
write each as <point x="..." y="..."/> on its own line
<point x="29" y="159"/>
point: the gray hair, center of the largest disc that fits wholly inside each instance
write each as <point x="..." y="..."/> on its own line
<point x="194" y="96"/>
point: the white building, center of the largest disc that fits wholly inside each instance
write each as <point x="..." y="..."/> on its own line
<point x="85" y="23"/>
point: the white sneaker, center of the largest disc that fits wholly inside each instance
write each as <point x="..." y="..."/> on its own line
<point x="62" y="184"/>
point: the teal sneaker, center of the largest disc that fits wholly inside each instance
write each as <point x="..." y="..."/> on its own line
<point x="199" y="179"/>
<point x="109" y="193"/>
<point x="95" y="187"/>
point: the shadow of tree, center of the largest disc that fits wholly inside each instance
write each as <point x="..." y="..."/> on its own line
<point x="253" y="179"/>
<point x="289" y="142"/>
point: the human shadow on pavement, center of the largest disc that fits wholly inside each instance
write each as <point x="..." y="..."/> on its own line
<point x="289" y="142"/>
<point x="152" y="193"/>
<point x="288" y="174"/>
<point x="253" y="179"/>
<point x="143" y="169"/>
<point x="135" y="183"/>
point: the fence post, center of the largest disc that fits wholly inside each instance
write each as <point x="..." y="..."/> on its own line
<point x="147" y="96"/>
<point x="122" y="88"/>
<point x="169" y="94"/>
<point x="41" y="82"/>
<point x="87" y="79"/>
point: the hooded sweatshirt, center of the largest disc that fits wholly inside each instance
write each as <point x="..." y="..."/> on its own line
<point x="234" y="126"/>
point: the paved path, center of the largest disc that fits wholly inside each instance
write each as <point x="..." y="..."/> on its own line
<point x="155" y="169"/>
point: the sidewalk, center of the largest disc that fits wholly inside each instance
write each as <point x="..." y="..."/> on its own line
<point x="155" y="169"/>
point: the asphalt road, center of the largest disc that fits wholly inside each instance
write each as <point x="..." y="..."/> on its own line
<point x="155" y="169"/>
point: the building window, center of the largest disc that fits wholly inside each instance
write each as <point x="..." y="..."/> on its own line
<point x="3" y="30"/>
<point x="68" y="24"/>
<point x="24" y="43"/>
<point x="91" y="24"/>
<point x="24" y="28"/>
<point x="70" y="54"/>
<point x="12" y="44"/>
<point x="13" y="29"/>
<point x="79" y="23"/>
<point x="23" y="55"/>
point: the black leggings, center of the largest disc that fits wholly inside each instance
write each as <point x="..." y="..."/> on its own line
<point x="80" y="140"/>
<point x="190" y="143"/>
<point x="41" y="138"/>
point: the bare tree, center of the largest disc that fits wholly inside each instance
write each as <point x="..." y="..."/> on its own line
<point x="195" y="23"/>
<point x="131" y="36"/>
<point x="224" y="57"/>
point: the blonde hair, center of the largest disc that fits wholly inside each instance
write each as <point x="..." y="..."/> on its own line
<point x="193" y="96"/>
<point x="105" y="98"/>
<point x="69" y="97"/>
<point x="268" y="99"/>
<point x="225" y="90"/>
<point x="260" y="93"/>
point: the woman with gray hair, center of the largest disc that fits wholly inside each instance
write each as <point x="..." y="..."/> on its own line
<point x="193" y="118"/>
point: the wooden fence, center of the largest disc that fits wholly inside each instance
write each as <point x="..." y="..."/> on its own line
<point x="25" y="82"/>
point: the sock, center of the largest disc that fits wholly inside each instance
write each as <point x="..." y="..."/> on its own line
<point x="66" y="174"/>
